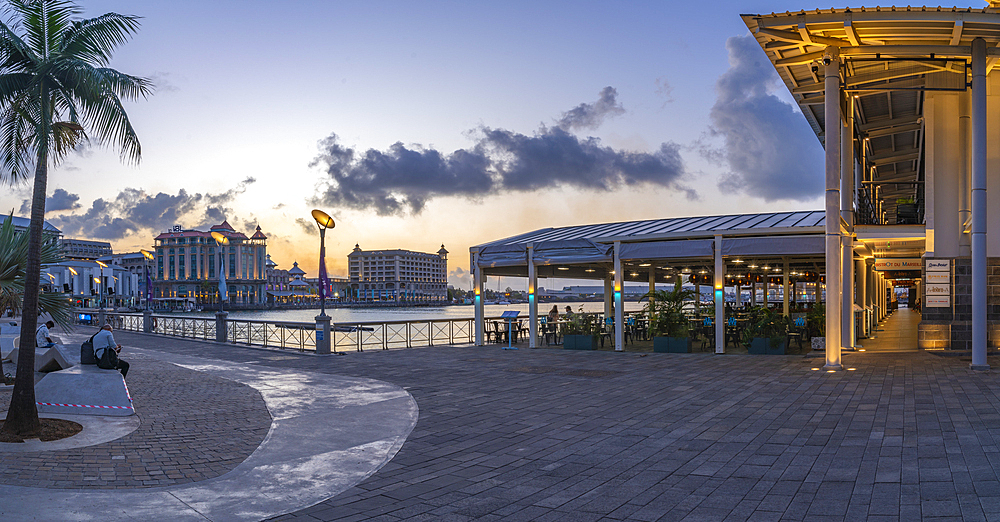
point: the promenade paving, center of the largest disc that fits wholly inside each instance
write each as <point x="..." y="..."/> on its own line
<point x="548" y="434"/>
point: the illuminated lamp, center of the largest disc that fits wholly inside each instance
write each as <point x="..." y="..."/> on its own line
<point x="774" y="280"/>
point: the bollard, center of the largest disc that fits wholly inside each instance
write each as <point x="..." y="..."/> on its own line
<point x="323" y="335"/>
<point x="147" y="321"/>
<point x="220" y="326"/>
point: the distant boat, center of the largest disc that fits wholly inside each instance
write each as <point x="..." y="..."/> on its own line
<point x="503" y="302"/>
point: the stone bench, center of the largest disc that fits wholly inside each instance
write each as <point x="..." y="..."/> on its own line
<point x="84" y="389"/>
<point x="46" y="359"/>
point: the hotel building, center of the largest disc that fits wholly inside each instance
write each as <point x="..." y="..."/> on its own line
<point x="187" y="264"/>
<point x="398" y="275"/>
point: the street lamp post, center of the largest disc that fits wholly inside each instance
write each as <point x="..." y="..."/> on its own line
<point x="324" y="221"/>
<point x="220" y="316"/>
<point x="100" y="295"/>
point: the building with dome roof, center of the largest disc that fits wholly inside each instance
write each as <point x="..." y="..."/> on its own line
<point x="187" y="263"/>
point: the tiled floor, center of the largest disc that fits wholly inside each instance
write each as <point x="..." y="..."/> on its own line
<point x="898" y="332"/>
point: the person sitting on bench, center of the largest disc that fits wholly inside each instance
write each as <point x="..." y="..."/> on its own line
<point x="105" y="341"/>
<point x="42" y="339"/>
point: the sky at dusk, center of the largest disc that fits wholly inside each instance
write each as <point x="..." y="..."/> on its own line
<point x="416" y="124"/>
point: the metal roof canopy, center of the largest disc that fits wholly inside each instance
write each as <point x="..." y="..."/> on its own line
<point x="584" y="251"/>
<point x="891" y="54"/>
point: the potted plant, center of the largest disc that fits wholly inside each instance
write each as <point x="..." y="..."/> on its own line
<point x="581" y="332"/>
<point x="766" y="332"/>
<point x="667" y="323"/>
<point x="816" y="326"/>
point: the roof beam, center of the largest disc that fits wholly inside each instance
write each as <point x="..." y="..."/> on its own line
<point x="895" y="157"/>
<point x="789" y="36"/>
<point x="956" y="32"/>
<point x="800" y="59"/>
<point x="875" y="133"/>
<point x="906" y="120"/>
<point x="852" y="35"/>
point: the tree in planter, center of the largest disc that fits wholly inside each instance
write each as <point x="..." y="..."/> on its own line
<point x="583" y="325"/>
<point x="666" y="316"/>
<point x="766" y="324"/>
<point x="816" y="320"/>
<point x="55" y="91"/>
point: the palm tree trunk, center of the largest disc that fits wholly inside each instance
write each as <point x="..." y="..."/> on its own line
<point x="22" y="417"/>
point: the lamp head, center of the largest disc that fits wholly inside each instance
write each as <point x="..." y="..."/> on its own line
<point x="147" y="254"/>
<point x="220" y="238"/>
<point x="322" y="218"/>
<point x="71" y="270"/>
<point x="102" y="264"/>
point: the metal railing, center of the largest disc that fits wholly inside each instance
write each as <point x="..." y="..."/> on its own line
<point x="302" y="336"/>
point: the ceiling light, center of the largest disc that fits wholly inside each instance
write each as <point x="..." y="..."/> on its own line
<point x="686" y="270"/>
<point x="645" y="264"/>
<point x="752" y="266"/>
<point x="737" y="261"/>
<point x="563" y="268"/>
<point x="590" y="270"/>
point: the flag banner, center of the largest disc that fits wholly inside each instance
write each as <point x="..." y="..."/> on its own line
<point x="223" y="291"/>
<point x="149" y="284"/>
<point x="324" y="281"/>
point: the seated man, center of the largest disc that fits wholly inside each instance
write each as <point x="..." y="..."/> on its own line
<point x="105" y="341"/>
<point x="42" y="339"/>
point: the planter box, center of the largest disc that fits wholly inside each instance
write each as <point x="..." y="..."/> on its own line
<point x="818" y="343"/>
<point x="762" y="346"/>
<point x="580" y="342"/>
<point x="672" y="344"/>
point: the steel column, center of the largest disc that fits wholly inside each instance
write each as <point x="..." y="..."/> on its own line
<point x="477" y="287"/>
<point x="532" y="298"/>
<point x="619" y="315"/>
<point x="832" y="137"/>
<point x="719" y="291"/>
<point x="979" y="205"/>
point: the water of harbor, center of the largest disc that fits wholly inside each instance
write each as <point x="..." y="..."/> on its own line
<point x="421" y="313"/>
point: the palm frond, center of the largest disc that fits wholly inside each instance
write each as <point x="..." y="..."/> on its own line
<point x="94" y="40"/>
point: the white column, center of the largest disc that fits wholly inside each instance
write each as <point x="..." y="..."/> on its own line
<point x="847" y="213"/>
<point x="964" y="173"/>
<point x="609" y="295"/>
<point x="832" y="139"/>
<point x="979" y="155"/>
<point x="862" y="274"/>
<point x="619" y="315"/>
<point x="784" y="286"/>
<point x="720" y="298"/>
<point x="477" y="286"/>
<point x="532" y="299"/>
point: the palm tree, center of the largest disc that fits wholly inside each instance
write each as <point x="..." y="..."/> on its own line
<point x="55" y="90"/>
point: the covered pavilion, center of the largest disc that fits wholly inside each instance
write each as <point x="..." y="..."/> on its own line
<point x="908" y="177"/>
<point x="907" y="168"/>
<point x="665" y="251"/>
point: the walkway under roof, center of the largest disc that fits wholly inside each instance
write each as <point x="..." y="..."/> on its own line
<point x="585" y="251"/>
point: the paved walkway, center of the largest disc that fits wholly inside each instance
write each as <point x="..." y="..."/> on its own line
<point x="898" y="332"/>
<point x="564" y="435"/>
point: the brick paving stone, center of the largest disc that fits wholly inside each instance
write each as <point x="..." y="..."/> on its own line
<point x="560" y="435"/>
<point x="193" y="427"/>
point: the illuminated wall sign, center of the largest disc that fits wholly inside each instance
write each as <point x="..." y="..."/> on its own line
<point x="937" y="277"/>
<point x="938" y="265"/>
<point x="937" y="301"/>
<point x="898" y="264"/>
<point x="938" y="289"/>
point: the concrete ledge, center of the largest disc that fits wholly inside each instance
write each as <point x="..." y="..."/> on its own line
<point x="84" y="390"/>
<point x="48" y="359"/>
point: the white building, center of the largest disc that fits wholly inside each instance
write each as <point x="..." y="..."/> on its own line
<point x="398" y="275"/>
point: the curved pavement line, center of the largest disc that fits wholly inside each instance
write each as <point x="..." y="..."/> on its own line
<point x="327" y="434"/>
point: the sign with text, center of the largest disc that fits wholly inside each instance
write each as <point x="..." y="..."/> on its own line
<point x="937" y="277"/>
<point x="938" y="301"/>
<point x="898" y="264"/>
<point x="938" y="265"/>
<point x="938" y="289"/>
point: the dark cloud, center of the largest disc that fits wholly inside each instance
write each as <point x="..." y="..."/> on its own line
<point x="59" y="200"/>
<point x="403" y="178"/>
<point x="770" y="149"/>
<point x="590" y="116"/>
<point x="133" y="210"/>
<point x="309" y="227"/>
